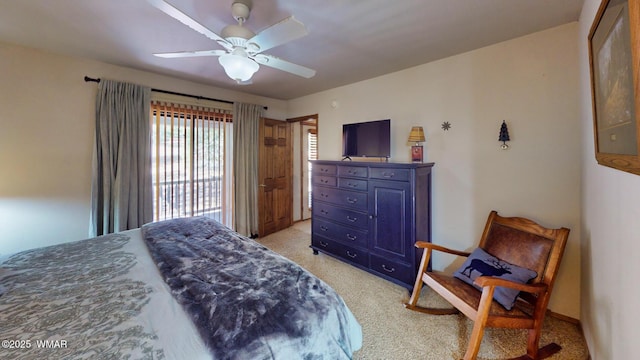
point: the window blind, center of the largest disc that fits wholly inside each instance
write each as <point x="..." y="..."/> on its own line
<point x="191" y="161"/>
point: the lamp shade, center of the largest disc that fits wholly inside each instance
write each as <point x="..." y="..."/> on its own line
<point x="417" y="134"/>
<point x="237" y="67"/>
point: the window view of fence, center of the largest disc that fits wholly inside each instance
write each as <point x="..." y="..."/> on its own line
<point x="191" y="162"/>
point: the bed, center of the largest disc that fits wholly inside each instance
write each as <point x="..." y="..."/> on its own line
<point x="177" y="289"/>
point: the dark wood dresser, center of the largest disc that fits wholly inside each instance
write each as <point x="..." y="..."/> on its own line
<point x="370" y="215"/>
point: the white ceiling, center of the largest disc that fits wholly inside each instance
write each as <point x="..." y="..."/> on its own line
<point x="348" y="41"/>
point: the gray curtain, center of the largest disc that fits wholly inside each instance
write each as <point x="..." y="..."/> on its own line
<point x="121" y="194"/>
<point x="246" y="126"/>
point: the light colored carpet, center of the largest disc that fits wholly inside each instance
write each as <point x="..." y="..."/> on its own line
<point x="393" y="332"/>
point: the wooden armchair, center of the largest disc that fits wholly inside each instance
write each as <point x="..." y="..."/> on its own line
<point x="517" y="241"/>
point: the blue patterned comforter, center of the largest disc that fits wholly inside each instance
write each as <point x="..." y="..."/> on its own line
<point x="247" y="301"/>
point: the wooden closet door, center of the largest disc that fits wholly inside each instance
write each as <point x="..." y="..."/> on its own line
<point x="274" y="195"/>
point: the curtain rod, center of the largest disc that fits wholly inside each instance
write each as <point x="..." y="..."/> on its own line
<point x="87" y="79"/>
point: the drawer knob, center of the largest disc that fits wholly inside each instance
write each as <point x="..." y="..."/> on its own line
<point x="352" y="219"/>
<point x="324" y="212"/>
<point x="351" y="255"/>
<point x="351" y="200"/>
<point x="323" y="244"/>
<point x="388" y="269"/>
<point x="388" y="174"/>
<point x="323" y="228"/>
<point x="351" y="237"/>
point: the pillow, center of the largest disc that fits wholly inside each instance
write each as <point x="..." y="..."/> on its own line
<point x="481" y="263"/>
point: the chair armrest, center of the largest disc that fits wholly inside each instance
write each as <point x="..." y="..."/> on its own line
<point x="484" y="281"/>
<point x="428" y="245"/>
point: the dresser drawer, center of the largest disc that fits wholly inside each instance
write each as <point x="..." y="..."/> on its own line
<point x="351" y="199"/>
<point x="344" y="216"/>
<point x="353" y="171"/>
<point x="353" y="184"/>
<point x="390" y="174"/>
<point x="324" y="169"/>
<point x="344" y="234"/>
<point x="345" y="252"/>
<point x="324" y="180"/>
<point x="396" y="270"/>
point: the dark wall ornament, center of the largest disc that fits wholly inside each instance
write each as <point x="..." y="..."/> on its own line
<point x="446" y="126"/>
<point x="614" y="59"/>
<point x="504" y="135"/>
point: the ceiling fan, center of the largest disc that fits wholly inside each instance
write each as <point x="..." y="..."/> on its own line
<point x="242" y="47"/>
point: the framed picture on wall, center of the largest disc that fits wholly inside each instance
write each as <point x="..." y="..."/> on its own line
<point x="614" y="58"/>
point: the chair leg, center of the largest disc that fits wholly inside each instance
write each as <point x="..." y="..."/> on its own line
<point x="475" y="340"/>
<point x="415" y="295"/>
<point x="417" y="287"/>
<point x="533" y="337"/>
<point x="533" y="341"/>
<point x="479" y="323"/>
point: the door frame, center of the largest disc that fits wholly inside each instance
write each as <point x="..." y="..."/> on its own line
<point x="302" y="120"/>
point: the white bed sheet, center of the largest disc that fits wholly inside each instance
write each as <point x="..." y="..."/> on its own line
<point x="176" y="332"/>
<point x="30" y="314"/>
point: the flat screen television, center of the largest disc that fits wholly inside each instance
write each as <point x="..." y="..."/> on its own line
<point x="367" y="139"/>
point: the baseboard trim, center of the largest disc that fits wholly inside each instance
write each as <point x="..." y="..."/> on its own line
<point x="566" y="318"/>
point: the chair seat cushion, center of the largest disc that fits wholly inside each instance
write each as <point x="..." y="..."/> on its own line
<point x="481" y="263"/>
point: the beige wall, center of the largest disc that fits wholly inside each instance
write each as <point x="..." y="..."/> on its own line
<point x="611" y="235"/>
<point x="46" y="140"/>
<point x="532" y="83"/>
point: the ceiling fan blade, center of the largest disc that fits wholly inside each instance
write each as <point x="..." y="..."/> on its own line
<point x="283" y="65"/>
<point x="183" y="54"/>
<point x="277" y="34"/>
<point x="185" y="19"/>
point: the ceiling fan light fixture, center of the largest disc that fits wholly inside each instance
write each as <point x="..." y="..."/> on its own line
<point x="239" y="68"/>
<point x="242" y="54"/>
